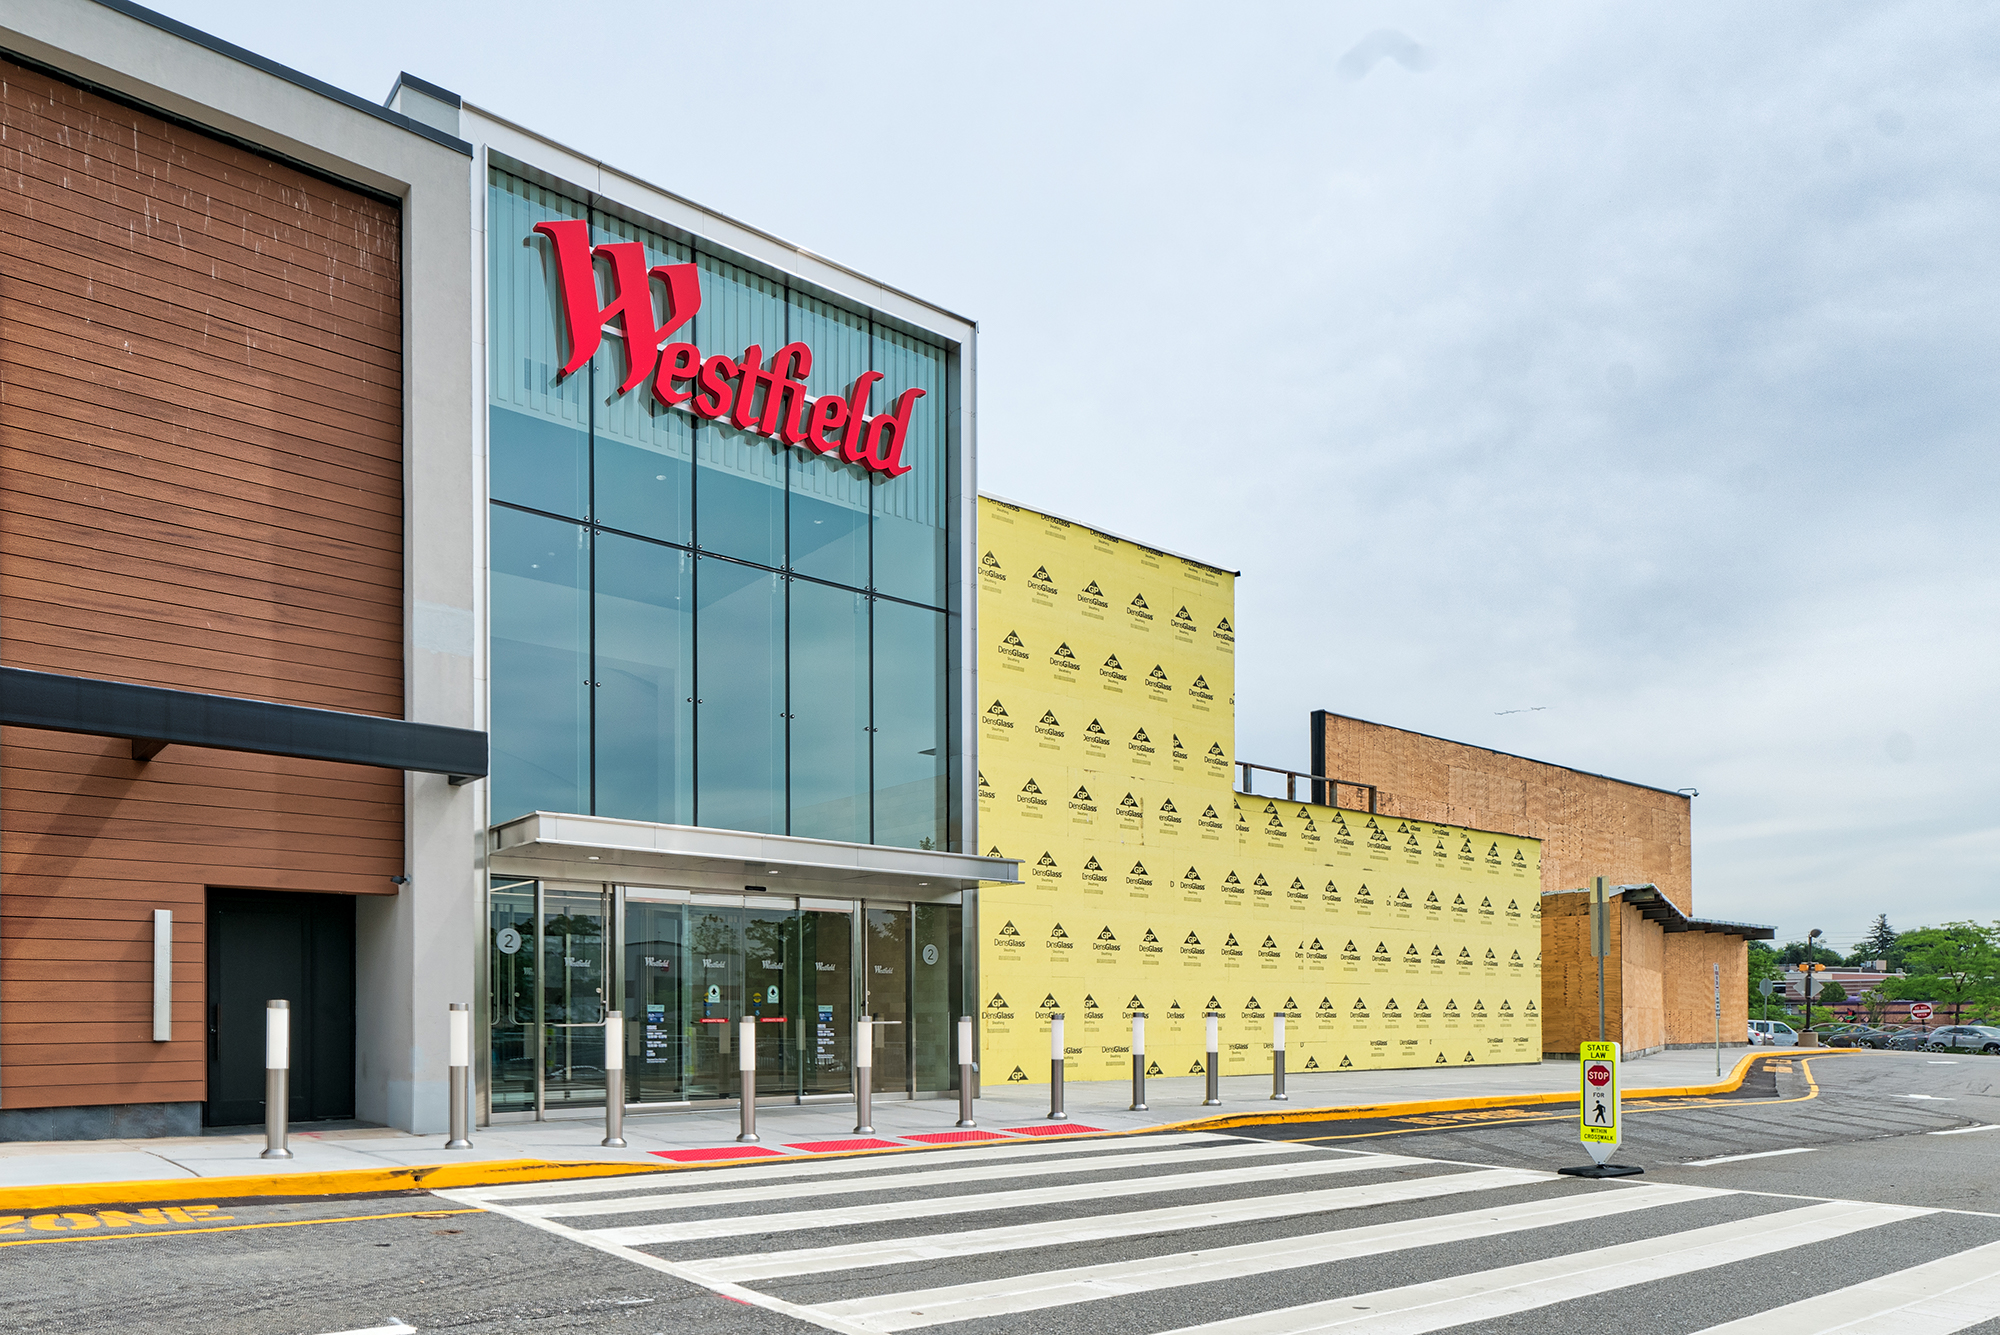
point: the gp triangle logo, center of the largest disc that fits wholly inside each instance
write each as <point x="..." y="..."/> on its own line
<point x="1008" y="930"/>
<point x="1049" y="719"/>
<point x="1057" y="933"/>
<point x="1345" y="1062"/>
<point x="1167" y="805"/>
<point x="1082" y="794"/>
<point x="1138" y="869"/>
<point x="1440" y="1061"/>
<point x="1140" y="736"/>
<point x="1105" y="935"/>
<point x="1092" y="865"/>
<point x="1231" y="941"/>
<point x="1182" y="615"/>
<point x="993" y="852"/>
<point x="1113" y="663"/>
<point x="1158" y="674"/>
<point x="1089" y="1002"/>
<point x="1192" y="940"/>
<point x="1139" y="601"/>
<point x="1153" y="1068"/>
<point x="1149" y="938"/>
<point x="1031" y="787"/>
<point x="1049" y="1003"/>
<point x="1451" y="1005"/>
<point x="1214" y="1004"/>
<point x="1045" y="860"/>
<point x="1251" y="1005"/>
<point x="1197" y="1069"/>
<point x="1215" y="749"/>
<point x="1092" y="589"/>
<point x="1192" y="875"/>
<point x="1018" y="1078"/>
<point x="1063" y="651"/>
<point x="1326" y="1003"/>
<point x="1200" y="683"/>
<point x="1290" y="1004"/>
<point x="1014" y="640"/>
<point x="1208" y="812"/>
<point x="1422" y="1005"/>
<point x="1231" y="879"/>
<point x="1260" y="880"/>
<point x="989" y="560"/>
<point x="1095" y="728"/>
<point x="1312" y="1063"/>
<point x="1468" y="1056"/>
<point x="1135" y="1004"/>
<point x="997" y="710"/>
<point x="1269" y="944"/>
<point x="1130" y="801"/>
<point x="999" y="1003"/>
<point x="1223" y="625"/>
<point x="1042" y="574"/>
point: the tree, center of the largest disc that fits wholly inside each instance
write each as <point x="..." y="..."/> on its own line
<point x="1797" y="952"/>
<point x="1763" y="963"/>
<point x="1956" y="965"/>
<point x="1875" y="1005"/>
<point x="1878" y="944"/>
<point x="1832" y="994"/>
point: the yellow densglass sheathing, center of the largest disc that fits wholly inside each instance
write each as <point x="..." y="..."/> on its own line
<point x="1106" y="764"/>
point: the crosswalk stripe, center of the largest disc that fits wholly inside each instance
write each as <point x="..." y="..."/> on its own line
<point x="928" y="1207"/>
<point x="767" y="1170"/>
<point x="1488" y="1295"/>
<point x="1935" y="1298"/>
<point x="933" y="1177"/>
<point x="1058" y="1288"/>
<point x="1092" y="1228"/>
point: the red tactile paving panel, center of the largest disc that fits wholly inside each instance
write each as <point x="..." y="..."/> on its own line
<point x="840" y="1146"/>
<point x="720" y="1152"/>
<point x="954" y="1137"/>
<point x="1055" y="1129"/>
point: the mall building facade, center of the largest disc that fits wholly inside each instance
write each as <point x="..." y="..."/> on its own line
<point x="442" y="568"/>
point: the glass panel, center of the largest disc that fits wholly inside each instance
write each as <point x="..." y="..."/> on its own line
<point x="540" y="633"/>
<point x="829" y="516"/>
<point x="714" y="999"/>
<point x="510" y="930"/>
<point x="645" y="681"/>
<point x="740" y="766"/>
<point x="540" y="424"/>
<point x="540" y="463"/>
<point x="768" y="996"/>
<point x="829" y="666"/>
<point x="740" y="477"/>
<point x="935" y="1001"/>
<point x="911" y="731"/>
<point x="824" y="1031"/>
<point x="643" y="485"/>
<point x="573" y="988"/>
<point x="885" y="937"/>
<point x="912" y="512"/>
<point x="657" y="1036"/>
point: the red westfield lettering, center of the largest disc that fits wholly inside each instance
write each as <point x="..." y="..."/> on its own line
<point x="716" y="387"/>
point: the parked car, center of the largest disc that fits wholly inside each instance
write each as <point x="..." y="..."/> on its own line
<point x="1906" y="1040"/>
<point x="1773" y="1033"/>
<point x="1856" y="1036"/>
<point x="1964" y="1038"/>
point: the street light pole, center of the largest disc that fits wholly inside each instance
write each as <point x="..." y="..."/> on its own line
<point x="1811" y="967"/>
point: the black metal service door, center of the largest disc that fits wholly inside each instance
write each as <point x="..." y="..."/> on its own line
<point x="266" y="945"/>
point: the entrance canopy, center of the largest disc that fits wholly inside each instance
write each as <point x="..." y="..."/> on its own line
<point x="569" y="847"/>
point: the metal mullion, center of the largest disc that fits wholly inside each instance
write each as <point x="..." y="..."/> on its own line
<point x="786" y="560"/>
<point x="541" y="1031"/>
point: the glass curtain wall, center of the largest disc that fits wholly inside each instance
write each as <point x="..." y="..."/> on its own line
<point x="693" y="624"/>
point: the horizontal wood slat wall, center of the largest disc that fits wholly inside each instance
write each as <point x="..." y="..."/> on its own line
<point x="200" y="487"/>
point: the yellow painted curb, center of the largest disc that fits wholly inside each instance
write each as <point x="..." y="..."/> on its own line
<point x="341" y="1182"/>
<point x="1358" y="1111"/>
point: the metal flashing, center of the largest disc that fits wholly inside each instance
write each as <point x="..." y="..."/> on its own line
<point x="1098" y="528"/>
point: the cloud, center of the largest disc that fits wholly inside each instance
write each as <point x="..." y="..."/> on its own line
<point x="1378" y="46"/>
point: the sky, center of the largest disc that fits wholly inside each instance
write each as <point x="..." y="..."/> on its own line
<point x="1610" y="385"/>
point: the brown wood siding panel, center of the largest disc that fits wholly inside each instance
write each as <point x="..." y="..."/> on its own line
<point x="200" y="487"/>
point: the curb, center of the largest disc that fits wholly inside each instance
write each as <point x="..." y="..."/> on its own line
<point x="1358" y="1111"/>
<point x="500" y="1172"/>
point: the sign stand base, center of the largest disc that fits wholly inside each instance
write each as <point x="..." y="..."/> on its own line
<point x="1602" y="1170"/>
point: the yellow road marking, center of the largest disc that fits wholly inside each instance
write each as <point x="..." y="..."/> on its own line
<point x="235" y="1228"/>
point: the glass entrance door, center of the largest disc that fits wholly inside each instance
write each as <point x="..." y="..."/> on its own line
<point x="712" y="999"/>
<point x="573" y="985"/>
<point x="885" y="939"/>
<point x="824" y="1030"/>
<point x="657" y="1037"/>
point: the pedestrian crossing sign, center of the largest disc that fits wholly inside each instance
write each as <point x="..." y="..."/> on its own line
<point x="1598" y="1114"/>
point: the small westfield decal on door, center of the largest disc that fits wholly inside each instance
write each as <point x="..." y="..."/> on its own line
<point x="717" y="386"/>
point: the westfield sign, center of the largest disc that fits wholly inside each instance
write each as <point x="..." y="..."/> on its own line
<point x="770" y="400"/>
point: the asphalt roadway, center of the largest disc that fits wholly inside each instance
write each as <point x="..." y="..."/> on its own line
<point x="1368" y="1209"/>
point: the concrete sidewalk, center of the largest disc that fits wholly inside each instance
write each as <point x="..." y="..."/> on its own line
<point x="659" y="1139"/>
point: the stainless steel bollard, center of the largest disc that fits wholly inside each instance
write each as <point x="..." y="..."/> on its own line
<point x="460" y="1092"/>
<point x="614" y="1081"/>
<point x="1278" y="1058"/>
<point x="864" y="1077"/>
<point x="746" y="1070"/>
<point x="1056" y="1113"/>
<point x="1214" y="1099"/>
<point x="277" y="1078"/>
<point x="1139" y="1061"/>
<point x="965" y="1071"/>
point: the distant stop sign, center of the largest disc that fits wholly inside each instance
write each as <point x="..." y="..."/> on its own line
<point x="1921" y="1011"/>
<point x="1597" y="1073"/>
